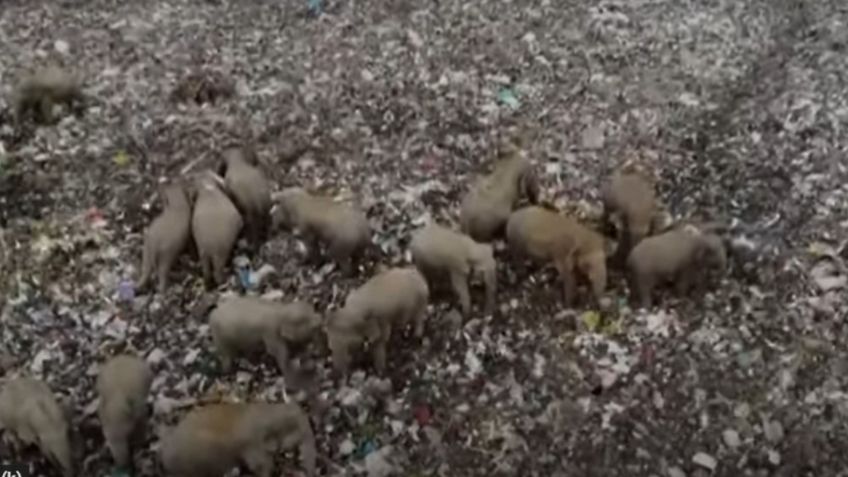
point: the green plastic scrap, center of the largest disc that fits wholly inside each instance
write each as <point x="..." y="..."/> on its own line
<point x="612" y="327"/>
<point x="592" y="320"/>
<point x="314" y="6"/>
<point x="594" y="323"/>
<point x="122" y="159"/>
<point x="507" y="97"/>
<point x="119" y="473"/>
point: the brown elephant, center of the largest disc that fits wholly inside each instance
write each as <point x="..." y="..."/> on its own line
<point x="682" y="255"/>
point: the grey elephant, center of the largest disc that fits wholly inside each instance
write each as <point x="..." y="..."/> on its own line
<point x="212" y="440"/>
<point x="682" y="255"/>
<point x="30" y="412"/>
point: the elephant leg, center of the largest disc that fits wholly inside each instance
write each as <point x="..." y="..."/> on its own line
<point x="119" y="447"/>
<point x="644" y="289"/>
<point x="565" y="267"/>
<point x="419" y="315"/>
<point x="683" y="284"/>
<point x="378" y="354"/>
<point x="259" y="461"/>
<point x="277" y="348"/>
<point x="459" y="281"/>
<point x="219" y="268"/>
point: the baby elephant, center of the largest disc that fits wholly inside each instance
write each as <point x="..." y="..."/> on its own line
<point x="123" y="386"/>
<point x="486" y="207"/>
<point x="547" y="236"/>
<point x="212" y="440"/>
<point x="247" y="324"/>
<point x="680" y="255"/>
<point x="30" y="412"/>
<point x="344" y="230"/>
<point x="250" y="191"/>
<point x="438" y="251"/>
<point x="629" y="194"/>
<point x="167" y="236"/>
<point x="391" y="298"/>
<point x="215" y="224"/>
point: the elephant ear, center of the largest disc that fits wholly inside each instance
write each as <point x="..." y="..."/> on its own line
<point x="701" y="253"/>
<point x="712" y="250"/>
<point x="368" y="327"/>
<point x="283" y="210"/>
<point x="353" y="322"/>
<point x="661" y="221"/>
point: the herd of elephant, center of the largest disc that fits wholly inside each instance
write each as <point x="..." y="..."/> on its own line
<point x="218" y="206"/>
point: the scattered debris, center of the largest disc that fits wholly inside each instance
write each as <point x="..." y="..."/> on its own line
<point x="705" y="460"/>
<point x="400" y="109"/>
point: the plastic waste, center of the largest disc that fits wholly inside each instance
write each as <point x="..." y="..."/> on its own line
<point x="423" y="414"/>
<point x="126" y="290"/>
<point x="507" y="97"/>
<point x="367" y="447"/>
<point x="315" y="6"/>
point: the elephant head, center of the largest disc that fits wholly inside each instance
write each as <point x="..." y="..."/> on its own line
<point x="711" y="252"/>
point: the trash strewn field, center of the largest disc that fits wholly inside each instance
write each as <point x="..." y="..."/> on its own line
<point x="741" y="107"/>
